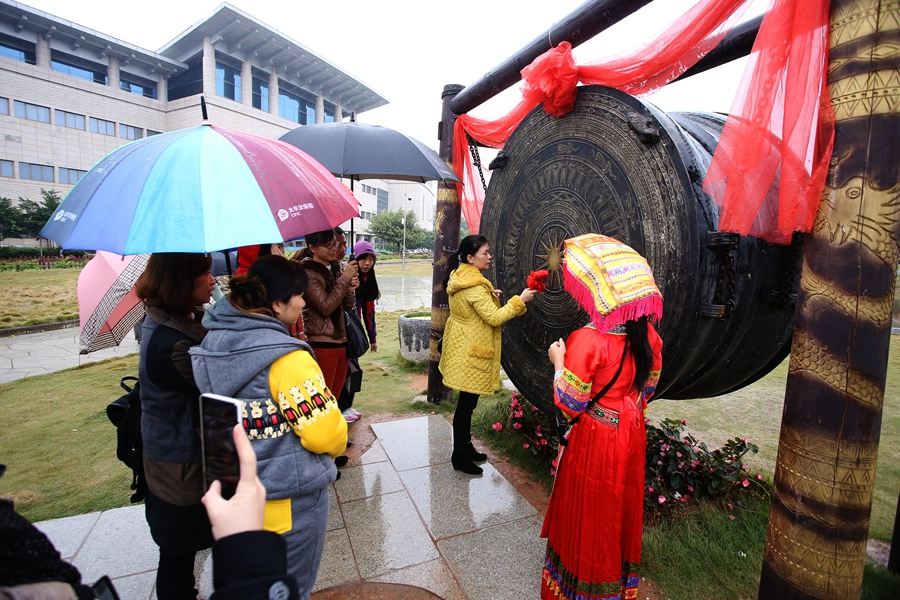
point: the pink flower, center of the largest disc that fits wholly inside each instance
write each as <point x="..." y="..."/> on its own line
<point x="759" y="477"/>
<point x="526" y="445"/>
<point x="544" y="442"/>
<point x="661" y="499"/>
<point x="554" y="462"/>
<point x="518" y="414"/>
<point x="678" y="454"/>
<point x="695" y="464"/>
<point x="538" y="433"/>
<point x="745" y="440"/>
<point x="517" y="425"/>
<point x="650" y="489"/>
<point x="665" y="446"/>
<point x="659" y="462"/>
<point x="497" y="426"/>
<point x="690" y="488"/>
<point x="745" y="482"/>
<point x="731" y="517"/>
<point x="684" y="421"/>
<point x="729" y="506"/>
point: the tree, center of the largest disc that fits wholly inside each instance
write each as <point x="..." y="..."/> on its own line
<point x="36" y="214"/>
<point x="10" y="220"/>
<point x="387" y="226"/>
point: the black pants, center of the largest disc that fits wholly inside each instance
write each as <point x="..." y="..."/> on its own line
<point x="462" y="420"/>
<point x="179" y="531"/>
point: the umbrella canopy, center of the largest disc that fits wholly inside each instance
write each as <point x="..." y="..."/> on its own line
<point x="197" y="190"/>
<point x="108" y="307"/>
<point x="350" y="149"/>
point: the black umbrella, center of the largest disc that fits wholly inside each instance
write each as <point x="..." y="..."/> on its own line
<point x="358" y="151"/>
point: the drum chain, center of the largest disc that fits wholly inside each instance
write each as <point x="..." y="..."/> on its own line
<point x="476" y="160"/>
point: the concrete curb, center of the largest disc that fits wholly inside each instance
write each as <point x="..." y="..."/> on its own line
<point x="12" y="331"/>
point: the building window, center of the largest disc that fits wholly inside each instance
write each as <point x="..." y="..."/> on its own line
<point x="260" y="94"/>
<point x="70" y="176"/>
<point x="151" y="132"/>
<point x="102" y="127"/>
<point x="228" y="82"/>
<point x="382" y="199"/>
<point x="130" y="133"/>
<point x="296" y="108"/>
<point x="35" y="172"/>
<point x="133" y="84"/>
<point x="6" y="168"/>
<point x="329" y="112"/>
<point x="4" y="106"/>
<point x="10" y="50"/>
<point x="97" y="74"/>
<point x="70" y="120"/>
<point x="187" y="83"/>
<point x="31" y="112"/>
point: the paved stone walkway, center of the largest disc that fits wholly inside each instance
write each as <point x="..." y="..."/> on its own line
<point x="399" y="514"/>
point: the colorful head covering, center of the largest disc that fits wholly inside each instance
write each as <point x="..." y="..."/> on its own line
<point x="612" y="283"/>
<point x="363" y="247"/>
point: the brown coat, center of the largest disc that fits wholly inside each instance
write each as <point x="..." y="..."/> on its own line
<point x="326" y="301"/>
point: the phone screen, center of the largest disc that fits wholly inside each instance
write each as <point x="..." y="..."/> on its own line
<point x="218" y="416"/>
<point x="104" y="589"/>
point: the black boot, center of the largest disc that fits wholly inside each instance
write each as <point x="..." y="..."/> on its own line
<point x="462" y="462"/>
<point x="475" y="455"/>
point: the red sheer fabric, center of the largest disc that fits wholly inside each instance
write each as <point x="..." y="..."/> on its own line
<point x="791" y="54"/>
<point x="769" y="169"/>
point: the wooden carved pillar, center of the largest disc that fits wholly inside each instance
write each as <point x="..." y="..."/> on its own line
<point x="825" y="472"/>
<point x="446" y="241"/>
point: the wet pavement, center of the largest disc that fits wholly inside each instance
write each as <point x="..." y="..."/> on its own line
<point x="49" y="351"/>
<point x="399" y="515"/>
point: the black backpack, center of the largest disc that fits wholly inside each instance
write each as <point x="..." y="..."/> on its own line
<point x="125" y="414"/>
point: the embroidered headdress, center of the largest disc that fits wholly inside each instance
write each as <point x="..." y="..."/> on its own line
<point x="612" y="283"/>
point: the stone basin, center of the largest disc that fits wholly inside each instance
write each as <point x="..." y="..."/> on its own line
<point x="415" y="336"/>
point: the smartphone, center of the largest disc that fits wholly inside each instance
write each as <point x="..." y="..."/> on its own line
<point x="104" y="589"/>
<point x="218" y="416"/>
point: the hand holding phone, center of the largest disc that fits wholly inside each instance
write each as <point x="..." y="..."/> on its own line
<point x="244" y="512"/>
<point x="218" y="416"/>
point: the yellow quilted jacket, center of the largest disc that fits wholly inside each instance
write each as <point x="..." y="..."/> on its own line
<point x="470" y="361"/>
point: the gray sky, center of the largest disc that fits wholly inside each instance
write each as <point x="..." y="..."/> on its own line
<point x="407" y="50"/>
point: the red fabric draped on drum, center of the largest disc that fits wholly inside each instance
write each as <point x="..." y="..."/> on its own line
<point x="595" y="516"/>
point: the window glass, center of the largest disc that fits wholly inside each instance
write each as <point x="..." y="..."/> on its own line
<point x="70" y="176"/>
<point x="260" y="94"/>
<point x="129" y="132"/>
<point x="71" y="120"/>
<point x="141" y="88"/>
<point x="102" y="126"/>
<point x="4" y="106"/>
<point x="228" y="82"/>
<point x="97" y="74"/>
<point x="151" y="132"/>
<point x="296" y="108"/>
<point x="16" y="53"/>
<point x="35" y="172"/>
<point x="6" y="168"/>
<point x="31" y="112"/>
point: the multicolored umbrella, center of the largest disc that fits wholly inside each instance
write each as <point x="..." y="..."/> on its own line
<point x="197" y="190"/>
<point x="108" y="307"/>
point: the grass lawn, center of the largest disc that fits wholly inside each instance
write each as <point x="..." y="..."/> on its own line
<point x="39" y="296"/>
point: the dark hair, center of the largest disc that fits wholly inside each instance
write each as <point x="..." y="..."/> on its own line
<point x="469" y="245"/>
<point x="168" y="281"/>
<point x="319" y="238"/>
<point x="368" y="284"/>
<point x="339" y="231"/>
<point x="270" y="279"/>
<point x="640" y="350"/>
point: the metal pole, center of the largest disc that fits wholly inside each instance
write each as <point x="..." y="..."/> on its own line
<point x="446" y="241"/>
<point x="738" y="43"/>
<point x="403" y="250"/>
<point x="825" y="471"/>
<point x="579" y="26"/>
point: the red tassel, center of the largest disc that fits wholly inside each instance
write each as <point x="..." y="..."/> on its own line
<point x="537" y="280"/>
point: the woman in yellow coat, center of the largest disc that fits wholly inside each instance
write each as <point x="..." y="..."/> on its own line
<point x="470" y="359"/>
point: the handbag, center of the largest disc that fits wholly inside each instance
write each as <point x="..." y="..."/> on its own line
<point x="563" y="427"/>
<point x="357" y="340"/>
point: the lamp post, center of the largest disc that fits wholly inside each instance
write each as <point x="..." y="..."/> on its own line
<point x="403" y="251"/>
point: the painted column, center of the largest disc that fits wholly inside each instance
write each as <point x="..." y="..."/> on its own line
<point x="825" y="472"/>
<point x="446" y="241"/>
<point x="246" y="83"/>
<point x="338" y="117"/>
<point x="273" y="92"/>
<point x="42" y="50"/>
<point x="320" y="109"/>
<point x="162" y="87"/>
<point x="112" y="72"/>
<point x="209" y="68"/>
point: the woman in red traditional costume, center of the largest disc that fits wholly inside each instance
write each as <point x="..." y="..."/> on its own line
<point x="604" y="374"/>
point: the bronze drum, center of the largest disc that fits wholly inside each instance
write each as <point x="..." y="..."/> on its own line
<point x="619" y="166"/>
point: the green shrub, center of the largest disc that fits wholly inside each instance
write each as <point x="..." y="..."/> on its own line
<point x="680" y="470"/>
